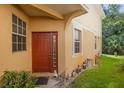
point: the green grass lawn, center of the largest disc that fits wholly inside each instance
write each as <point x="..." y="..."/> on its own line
<point x="107" y="74"/>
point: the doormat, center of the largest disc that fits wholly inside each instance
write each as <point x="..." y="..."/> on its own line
<point x="42" y="80"/>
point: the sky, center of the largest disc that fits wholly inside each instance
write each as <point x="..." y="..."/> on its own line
<point x="121" y="8"/>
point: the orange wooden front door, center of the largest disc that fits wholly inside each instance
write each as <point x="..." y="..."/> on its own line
<point x="42" y="52"/>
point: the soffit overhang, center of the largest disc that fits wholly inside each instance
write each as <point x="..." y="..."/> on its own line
<point x="56" y="11"/>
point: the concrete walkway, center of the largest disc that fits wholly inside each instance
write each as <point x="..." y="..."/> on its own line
<point x="56" y="83"/>
<point x="51" y="83"/>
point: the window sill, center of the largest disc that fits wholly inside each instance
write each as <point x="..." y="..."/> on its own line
<point x="19" y="51"/>
<point x="75" y="54"/>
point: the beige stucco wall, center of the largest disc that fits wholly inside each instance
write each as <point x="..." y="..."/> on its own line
<point x="87" y="49"/>
<point x="99" y="44"/>
<point x="8" y="59"/>
<point x="90" y="27"/>
<point x="67" y="61"/>
<point x="72" y="60"/>
<point x="91" y="20"/>
<point x="88" y="45"/>
<point x="23" y="60"/>
<point x="42" y="24"/>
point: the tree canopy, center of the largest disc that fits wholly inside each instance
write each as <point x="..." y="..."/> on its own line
<point x="113" y="30"/>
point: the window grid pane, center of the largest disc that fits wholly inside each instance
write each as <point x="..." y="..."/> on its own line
<point x="95" y="42"/>
<point x="77" y="41"/>
<point x="14" y="48"/>
<point x="54" y="50"/>
<point x="14" y="19"/>
<point x="18" y="34"/>
<point x="14" y="26"/>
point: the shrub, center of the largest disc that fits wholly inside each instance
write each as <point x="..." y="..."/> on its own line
<point x="14" y="79"/>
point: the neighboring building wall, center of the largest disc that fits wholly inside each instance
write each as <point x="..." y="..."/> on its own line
<point x="42" y="24"/>
<point x="8" y="59"/>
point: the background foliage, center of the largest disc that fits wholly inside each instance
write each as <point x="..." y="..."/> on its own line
<point x="113" y="30"/>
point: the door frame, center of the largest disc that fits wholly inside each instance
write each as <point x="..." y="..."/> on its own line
<point x="52" y="68"/>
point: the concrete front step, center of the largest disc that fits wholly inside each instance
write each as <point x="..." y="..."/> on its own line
<point x="43" y="74"/>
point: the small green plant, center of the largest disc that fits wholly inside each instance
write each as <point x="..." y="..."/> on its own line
<point x="14" y="79"/>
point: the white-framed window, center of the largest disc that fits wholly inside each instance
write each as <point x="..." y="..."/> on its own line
<point x="77" y="41"/>
<point x="95" y="44"/>
<point x="18" y="34"/>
